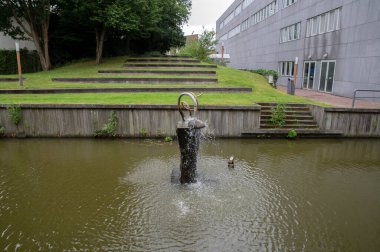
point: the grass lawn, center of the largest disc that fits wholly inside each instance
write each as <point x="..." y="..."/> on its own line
<point x="262" y="91"/>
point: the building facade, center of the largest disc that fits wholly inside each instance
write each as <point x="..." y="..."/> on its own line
<point x="336" y="42"/>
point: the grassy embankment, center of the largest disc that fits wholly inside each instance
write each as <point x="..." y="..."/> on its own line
<point x="227" y="77"/>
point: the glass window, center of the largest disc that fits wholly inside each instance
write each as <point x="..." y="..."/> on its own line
<point x="330" y="26"/>
<point x="322" y="24"/>
<point x="337" y="19"/>
<point x="314" y="26"/>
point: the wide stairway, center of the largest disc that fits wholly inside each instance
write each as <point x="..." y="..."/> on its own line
<point x="298" y="117"/>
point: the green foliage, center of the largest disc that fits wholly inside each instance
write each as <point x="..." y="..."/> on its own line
<point x="266" y="72"/>
<point x="2" y="131"/>
<point x="202" y="47"/>
<point x="14" y="114"/>
<point x="292" y="134"/>
<point x="29" y="61"/>
<point x="168" y="139"/>
<point x="109" y="129"/>
<point x="278" y="115"/>
<point x="143" y="132"/>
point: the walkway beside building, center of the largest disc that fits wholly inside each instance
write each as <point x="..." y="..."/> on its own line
<point x="333" y="100"/>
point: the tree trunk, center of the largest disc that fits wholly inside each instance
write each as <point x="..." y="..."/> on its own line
<point x="42" y="48"/>
<point x="100" y="33"/>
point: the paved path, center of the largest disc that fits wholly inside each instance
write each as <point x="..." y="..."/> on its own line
<point x="334" y="100"/>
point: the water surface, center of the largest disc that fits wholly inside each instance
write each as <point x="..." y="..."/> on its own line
<point x="105" y="195"/>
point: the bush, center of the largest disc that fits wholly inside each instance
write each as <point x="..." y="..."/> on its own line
<point x="266" y="72"/>
<point x="200" y="48"/>
<point x="2" y="131"/>
<point x="168" y="139"/>
<point x="109" y="129"/>
<point x="292" y="134"/>
<point x="14" y="114"/>
<point x="278" y="115"/>
<point x="30" y="62"/>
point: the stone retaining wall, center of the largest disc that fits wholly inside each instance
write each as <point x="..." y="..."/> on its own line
<point x="351" y="122"/>
<point x="134" y="120"/>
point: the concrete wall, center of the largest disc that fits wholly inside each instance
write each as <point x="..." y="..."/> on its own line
<point x="355" y="46"/>
<point x="83" y="120"/>
<point x="351" y="122"/>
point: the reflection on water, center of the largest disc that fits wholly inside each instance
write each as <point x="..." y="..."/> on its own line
<point x="312" y="195"/>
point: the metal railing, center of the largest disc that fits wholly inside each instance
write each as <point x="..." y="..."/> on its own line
<point x="363" y="90"/>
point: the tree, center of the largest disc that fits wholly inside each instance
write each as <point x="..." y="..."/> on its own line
<point x="107" y="15"/>
<point x="202" y="47"/>
<point x="21" y="19"/>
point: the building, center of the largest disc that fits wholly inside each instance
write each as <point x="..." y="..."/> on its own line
<point x="337" y="42"/>
<point x="8" y="43"/>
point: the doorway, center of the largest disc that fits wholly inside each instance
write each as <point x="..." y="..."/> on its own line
<point x="309" y="74"/>
<point x="326" y="80"/>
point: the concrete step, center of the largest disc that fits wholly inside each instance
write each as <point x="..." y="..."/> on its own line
<point x="271" y="104"/>
<point x="161" y="72"/>
<point x="286" y="126"/>
<point x="291" y="122"/>
<point x="154" y="60"/>
<point x="140" y="80"/>
<point x="283" y="133"/>
<point x="150" y="65"/>
<point x="289" y="113"/>
<point x="264" y="108"/>
<point x="289" y="117"/>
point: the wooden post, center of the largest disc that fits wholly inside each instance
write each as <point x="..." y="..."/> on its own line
<point x="295" y="73"/>
<point x="19" y="64"/>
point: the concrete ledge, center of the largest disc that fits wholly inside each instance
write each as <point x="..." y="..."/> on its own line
<point x="163" y="72"/>
<point x="158" y="59"/>
<point x="10" y="79"/>
<point x="125" y="90"/>
<point x="283" y="133"/>
<point x="131" y="106"/>
<point x="170" y="65"/>
<point x="140" y="80"/>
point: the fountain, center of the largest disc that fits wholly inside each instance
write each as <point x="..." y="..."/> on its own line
<point x="188" y="133"/>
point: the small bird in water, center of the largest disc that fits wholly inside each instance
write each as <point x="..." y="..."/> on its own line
<point x="231" y="162"/>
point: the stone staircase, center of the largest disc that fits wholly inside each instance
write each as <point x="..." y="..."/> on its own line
<point x="297" y="116"/>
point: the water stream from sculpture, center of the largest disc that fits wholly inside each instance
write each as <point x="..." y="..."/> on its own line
<point x="188" y="133"/>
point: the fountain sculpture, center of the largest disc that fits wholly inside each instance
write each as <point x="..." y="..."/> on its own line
<point x="188" y="133"/>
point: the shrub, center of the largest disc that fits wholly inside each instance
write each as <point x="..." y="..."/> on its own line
<point x="14" y="114"/>
<point x="265" y="72"/>
<point x="292" y="134"/>
<point x="109" y="129"/>
<point x="168" y="139"/>
<point x="278" y="115"/>
<point x="143" y="132"/>
<point x="2" y="131"/>
<point x="202" y="47"/>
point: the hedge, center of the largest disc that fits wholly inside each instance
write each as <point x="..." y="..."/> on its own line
<point x="30" y="62"/>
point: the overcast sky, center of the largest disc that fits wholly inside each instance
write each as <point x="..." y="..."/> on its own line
<point x="205" y="12"/>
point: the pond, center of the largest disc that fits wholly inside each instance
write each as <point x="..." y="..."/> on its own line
<point x="117" y="195"/>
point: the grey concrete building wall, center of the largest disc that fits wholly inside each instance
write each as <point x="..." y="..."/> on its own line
<point x="354" y="47"/>
<point x="8" y="43"/>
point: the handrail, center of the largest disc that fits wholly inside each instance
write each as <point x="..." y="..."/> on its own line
<point x="363" y="90"/>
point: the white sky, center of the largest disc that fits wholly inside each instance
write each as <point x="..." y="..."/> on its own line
<point x="205" y="13"/>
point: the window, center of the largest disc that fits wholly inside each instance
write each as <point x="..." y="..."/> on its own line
<point x="286" y="3"/>
<point x="326" y="22"/>
<point x="238" y="10"/>
<point x="244" y="25"/>
<point x="235" y="31"/>
<point x="290" y="33"/>
<point x="224" y="37"/>
<point x="228" y="19"/>
<point x="286" y="68"/>
<point x="264" y="13"/>
<point x="246" y="3"/>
